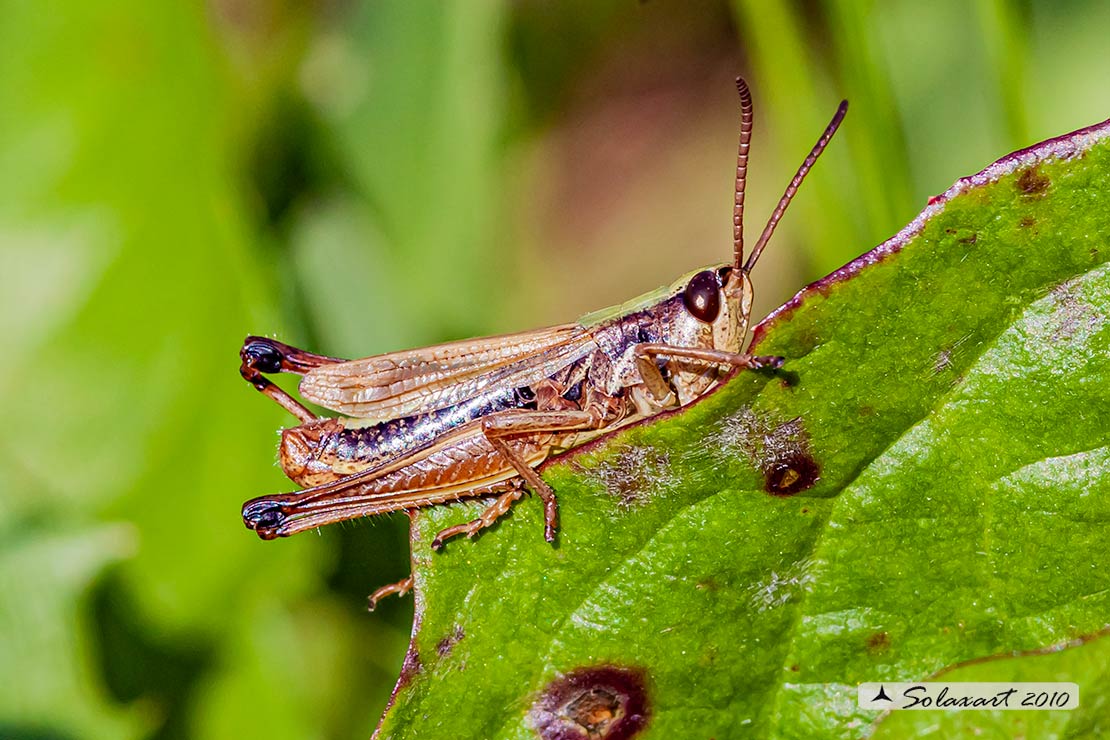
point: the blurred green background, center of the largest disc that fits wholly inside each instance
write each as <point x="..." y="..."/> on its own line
<point x="356" y="178"/>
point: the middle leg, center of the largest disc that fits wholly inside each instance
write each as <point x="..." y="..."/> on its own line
<point x="501" y="427"/>
<point x="488" y="518"/>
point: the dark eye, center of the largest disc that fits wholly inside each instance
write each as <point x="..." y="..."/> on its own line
<point x="702" y="297"/>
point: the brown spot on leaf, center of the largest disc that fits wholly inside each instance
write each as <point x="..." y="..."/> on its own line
<point x="792" y="474"/>
<point x="879" y="642"/>
<point x="795" y="668"/>
<point x="1027" y="221"/>
<point x="1032" y="183"/>
<point x="963" y="236"/>
<point x="447" y="644"/>
<point x="782" y="453"/>
<point x="707" y="584"/>
<point x="598" y="703"/>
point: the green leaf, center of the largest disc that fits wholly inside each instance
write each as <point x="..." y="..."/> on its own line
<point x="1083" y="662"/>
<point x="124" y="239"/>
<point x="44" y="660"/>
<point x="926" y="483"/>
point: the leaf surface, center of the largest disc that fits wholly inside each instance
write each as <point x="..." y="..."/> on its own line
<point x="925" y="483"/>
<point x="124" y="239"/>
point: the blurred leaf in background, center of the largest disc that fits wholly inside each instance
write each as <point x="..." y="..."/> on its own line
<point x="358" y="177"/>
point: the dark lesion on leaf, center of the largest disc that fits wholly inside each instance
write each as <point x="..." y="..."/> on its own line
<point x="878" y="642"/>
<point x="780" y="452"/>
<point x="963" y="236"/>
<point x="793" y="474"/>
<point x="1031" y="182"/>
<point x="708" y="583"/>
<point x="594" y="703"/>
<point x="1027" y="222"/>
<point x="448" y="643"/>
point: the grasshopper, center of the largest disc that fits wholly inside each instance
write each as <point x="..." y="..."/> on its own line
<point x="474" y="418"/>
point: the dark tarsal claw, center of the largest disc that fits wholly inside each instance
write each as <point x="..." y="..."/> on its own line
<point x="264" y="517"/>
<point x="771" y="361"/>
<point x="261" y="354"/>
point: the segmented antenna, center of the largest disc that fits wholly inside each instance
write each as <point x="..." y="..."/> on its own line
<point x="741" y="171"/>
<point x="792" y="188"/>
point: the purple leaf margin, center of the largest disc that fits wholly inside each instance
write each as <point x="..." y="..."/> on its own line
<point x="1068" y="146"/>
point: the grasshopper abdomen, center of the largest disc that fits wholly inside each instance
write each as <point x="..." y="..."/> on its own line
<point x="327" y="449"/>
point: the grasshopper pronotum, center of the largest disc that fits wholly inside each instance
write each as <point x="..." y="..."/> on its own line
<point x="473" y="418"/>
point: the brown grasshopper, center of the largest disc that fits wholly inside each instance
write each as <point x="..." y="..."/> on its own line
<point x="474" y="418"/>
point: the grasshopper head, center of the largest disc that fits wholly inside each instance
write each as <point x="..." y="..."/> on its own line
<point x="719" y="300"/>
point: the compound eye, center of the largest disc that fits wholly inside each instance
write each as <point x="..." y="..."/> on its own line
<point x="703" y="296"/>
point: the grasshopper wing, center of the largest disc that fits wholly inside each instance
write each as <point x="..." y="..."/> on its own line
<point x="416" y="381"/>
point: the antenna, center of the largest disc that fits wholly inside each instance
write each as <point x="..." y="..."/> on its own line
<point x="792" y="188"/>
<point x="741" y="171"/>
